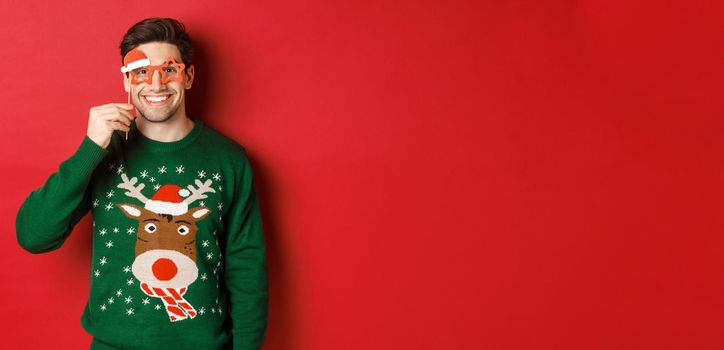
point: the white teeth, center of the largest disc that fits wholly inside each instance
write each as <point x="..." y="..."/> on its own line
<point x="156" y="98"/>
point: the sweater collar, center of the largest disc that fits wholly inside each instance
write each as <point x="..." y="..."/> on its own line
<point x="160" y="146"/>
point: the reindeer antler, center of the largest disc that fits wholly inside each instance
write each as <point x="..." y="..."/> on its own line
<point x="198" y="193"/>
<point x="133" y="190"/>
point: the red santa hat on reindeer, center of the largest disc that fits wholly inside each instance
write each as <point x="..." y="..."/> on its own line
<point x="169" y="199"/>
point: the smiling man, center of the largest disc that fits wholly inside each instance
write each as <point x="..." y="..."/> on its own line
<point x="178" y="256"/>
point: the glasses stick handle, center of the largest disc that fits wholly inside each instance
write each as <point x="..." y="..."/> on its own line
<point x="129" y="102"/>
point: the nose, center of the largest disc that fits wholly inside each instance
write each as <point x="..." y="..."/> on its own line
<point x="156" y="80"/>
<point x="164" y="269"/>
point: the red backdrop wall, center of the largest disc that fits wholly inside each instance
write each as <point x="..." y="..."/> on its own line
<point x="433" y="174"/>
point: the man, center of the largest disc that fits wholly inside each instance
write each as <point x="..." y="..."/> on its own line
<point x="178" y="249"/>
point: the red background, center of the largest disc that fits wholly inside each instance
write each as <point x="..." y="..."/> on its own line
<point x="433" y="174"/>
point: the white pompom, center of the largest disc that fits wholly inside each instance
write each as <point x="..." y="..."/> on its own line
<point x="184" y="192"/>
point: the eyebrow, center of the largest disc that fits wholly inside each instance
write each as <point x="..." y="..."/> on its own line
<point x="150" y="220"/>
<point x="185" y="222"/>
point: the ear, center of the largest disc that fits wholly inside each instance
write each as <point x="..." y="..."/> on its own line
<point x="132" y="211"/>
<point x="199" y="213"/>
<point x="190" y="77"/>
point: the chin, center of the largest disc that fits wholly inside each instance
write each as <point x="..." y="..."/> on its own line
<point x="155" y="119"/>
<point x="156" y="116"/>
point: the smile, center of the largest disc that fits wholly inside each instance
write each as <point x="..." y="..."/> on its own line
<point x="156" y="100"/>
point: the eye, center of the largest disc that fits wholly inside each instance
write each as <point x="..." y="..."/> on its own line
<point x="150" y="228"/>
<point x="183" y="230"/>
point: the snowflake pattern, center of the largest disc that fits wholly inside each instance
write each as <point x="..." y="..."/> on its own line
<point x="103" y="232"/>
<point x="109" y="244"/>
<point x="95" y="202"/>
<point x="144" y="174"/>
<point x="103" y="261"/>
<point x="202" y="174"/>
<point x="109" y="206"/>
<point x="162" y="169"/>
<point x="217" y="176"/>
<point x="180" y="169"/>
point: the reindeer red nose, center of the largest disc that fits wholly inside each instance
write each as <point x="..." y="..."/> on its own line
<point x="164" y="269"/>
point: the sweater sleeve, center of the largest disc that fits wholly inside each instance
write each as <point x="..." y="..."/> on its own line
<point x="246" y="269"/>
<point x="47" y="216"/>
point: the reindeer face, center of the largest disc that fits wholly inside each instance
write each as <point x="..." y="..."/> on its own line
<point x="165" y="245"/>
<point x="164" y="231"/>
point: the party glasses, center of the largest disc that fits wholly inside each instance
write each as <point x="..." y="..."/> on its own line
<point x="170" y="70"/>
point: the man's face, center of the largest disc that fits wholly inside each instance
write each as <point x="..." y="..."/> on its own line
<point x="155" y="101"/>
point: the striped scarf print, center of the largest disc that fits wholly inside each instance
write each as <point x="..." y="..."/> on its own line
<point x="177" y="307"/>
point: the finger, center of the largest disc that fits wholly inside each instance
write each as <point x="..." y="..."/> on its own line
<point x="99" y="110"/>
<point x="116" y="125"/>
<point x="123" y="119"/>
<point x="126" y="106"/>
<point x="114" y="107"/>
<point x="110" y="118"/>
<point x="117" y="116"/>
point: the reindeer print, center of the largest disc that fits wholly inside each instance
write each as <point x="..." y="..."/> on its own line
<point x="165" y="250"/>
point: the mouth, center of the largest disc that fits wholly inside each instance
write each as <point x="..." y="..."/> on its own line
<point x="156" y="100"/>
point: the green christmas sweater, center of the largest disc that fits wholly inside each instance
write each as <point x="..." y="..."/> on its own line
<point x="178" y="254"/>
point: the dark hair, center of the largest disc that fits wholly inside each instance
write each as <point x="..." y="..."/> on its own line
<point x="166" y="30"/>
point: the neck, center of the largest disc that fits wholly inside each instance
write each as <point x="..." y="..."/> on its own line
<point x="173" y="129"/>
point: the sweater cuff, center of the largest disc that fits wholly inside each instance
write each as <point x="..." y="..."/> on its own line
<point x="84" y="161"/>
